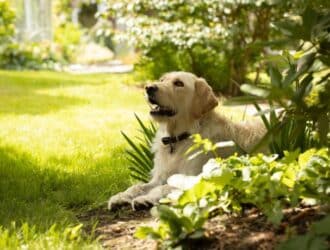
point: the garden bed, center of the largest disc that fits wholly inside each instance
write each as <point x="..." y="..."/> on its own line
<point x="247" y="231"/>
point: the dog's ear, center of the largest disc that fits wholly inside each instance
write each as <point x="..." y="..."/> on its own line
<point x="204" y="99"/>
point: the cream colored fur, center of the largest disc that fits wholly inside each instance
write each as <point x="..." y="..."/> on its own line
<point x="194" y="105"/>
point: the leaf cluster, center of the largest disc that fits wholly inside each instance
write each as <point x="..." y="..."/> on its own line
<point x="225" y="185"/>
<point x="7" y="21"/>
<point x="298" y="116"/>
<point x="140" y="154"/>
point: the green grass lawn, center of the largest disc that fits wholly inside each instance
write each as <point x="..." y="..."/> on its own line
<point x="61" y="152"/>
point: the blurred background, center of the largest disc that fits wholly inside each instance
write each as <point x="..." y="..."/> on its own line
<point x="71" y="73"/>
<point x="227" y="42"/>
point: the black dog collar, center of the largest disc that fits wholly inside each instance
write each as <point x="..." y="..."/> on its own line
<point x="170" y="140"/>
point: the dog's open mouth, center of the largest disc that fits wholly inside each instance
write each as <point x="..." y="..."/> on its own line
<point x="159" y="110"/>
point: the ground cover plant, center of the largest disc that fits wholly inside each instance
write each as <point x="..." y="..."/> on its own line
<point x="298" y="138"/>
<point x="61" y="153"/>
<point x="225" y="185"/>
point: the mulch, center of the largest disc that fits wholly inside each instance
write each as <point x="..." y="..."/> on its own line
<point x="250" y="230"/>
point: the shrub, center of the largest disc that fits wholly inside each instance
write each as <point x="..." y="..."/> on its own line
<point x="302" y="89"/>
<point x="266" y="182"/>
<point x="68" y="36"/>
<point x="30" y="56"/>
<point x="27" y="55"/>
<point x="205" y="62"/>
<point x="7" y="20"/>
<point x="217" y="40"/>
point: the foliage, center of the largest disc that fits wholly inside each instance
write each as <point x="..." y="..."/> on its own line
<point x="60" y="151"/>
<point x="190" y="35"/>
<point x="266" y="182"/>
<point x="7" y="19"/>
<point x="102" y="33"/>
<point x="301" y="90"/>
<point x="63" y="8"/>
<point x="68" y="37"/>
<point x="140" y="154"/>
<point x="30" y="56"/>
<point x="27" y="237"/>
<point x="315" y="239"/>
<point x="201" y="60"/>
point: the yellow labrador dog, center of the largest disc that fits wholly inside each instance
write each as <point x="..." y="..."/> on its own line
<point x="183" y="104"/>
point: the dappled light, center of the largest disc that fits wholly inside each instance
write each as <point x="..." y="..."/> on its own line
<point x="164" y="124"/>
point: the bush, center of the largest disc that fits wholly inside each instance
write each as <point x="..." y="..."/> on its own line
<point x="217" y="40"/>
<point x="302" y="89"/>
<point x="266" y="182"/>
<point x="30" y="56"/>
<point x="68" y="36"/>
<point x="205" y="62"/>
<point x="7" y="20"/>
<point x="27" y="55"/>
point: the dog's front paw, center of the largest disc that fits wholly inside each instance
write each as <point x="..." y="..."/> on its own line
<point x="118" y="201"/>
<point x="142" y="202"/>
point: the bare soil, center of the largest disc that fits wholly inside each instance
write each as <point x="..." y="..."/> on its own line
<point x="251" y="230"/>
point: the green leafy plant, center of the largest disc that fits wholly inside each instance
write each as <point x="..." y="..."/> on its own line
<point x="140" y="154"/>
<point x="68" y="37"/>
<point x="266" y="182"/>
<point x="314" y="239"/>
<point x="34" y="56"/>
<point x="7" y="21"/>
<point x="217" y="40"/>
<point x="301" y="90"/>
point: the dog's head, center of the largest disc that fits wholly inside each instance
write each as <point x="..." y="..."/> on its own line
<point x="180" y="95"/>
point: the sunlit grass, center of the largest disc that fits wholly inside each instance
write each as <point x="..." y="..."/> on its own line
<point x="60" y="145"/>
<point x="61" y="151"/>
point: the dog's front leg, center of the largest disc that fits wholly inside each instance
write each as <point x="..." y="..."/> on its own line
<point x="152" y="198"/>
<point x="126" y="197"/>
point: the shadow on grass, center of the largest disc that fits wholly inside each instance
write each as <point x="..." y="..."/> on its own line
<point x="43" y="196"/>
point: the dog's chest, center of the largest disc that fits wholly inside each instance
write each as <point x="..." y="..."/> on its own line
<point x="167" y="162"/>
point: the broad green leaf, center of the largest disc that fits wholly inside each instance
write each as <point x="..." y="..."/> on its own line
<point x="144" y="232"/>
<point x="305" y="157"/>
<point x="322" y="227"/>
<point x="298" y="242"/>
<point x="304" y="63"/>
<point x="309" y="19"/>
<point x="194" y="194"/>
<point x="275" y="76"/>
<point x="167" y="215"/>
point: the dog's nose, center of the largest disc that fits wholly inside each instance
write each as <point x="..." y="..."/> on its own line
<point x="151" y="89"/>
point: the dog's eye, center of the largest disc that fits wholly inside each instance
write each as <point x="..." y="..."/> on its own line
<point x="178" y="83"/>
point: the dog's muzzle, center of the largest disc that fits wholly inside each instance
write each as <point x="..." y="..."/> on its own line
<point x="157" y="109"/>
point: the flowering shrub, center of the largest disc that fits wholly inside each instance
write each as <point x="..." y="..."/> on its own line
<point x="227" y="36"/>
<point x="30" y="56"/>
